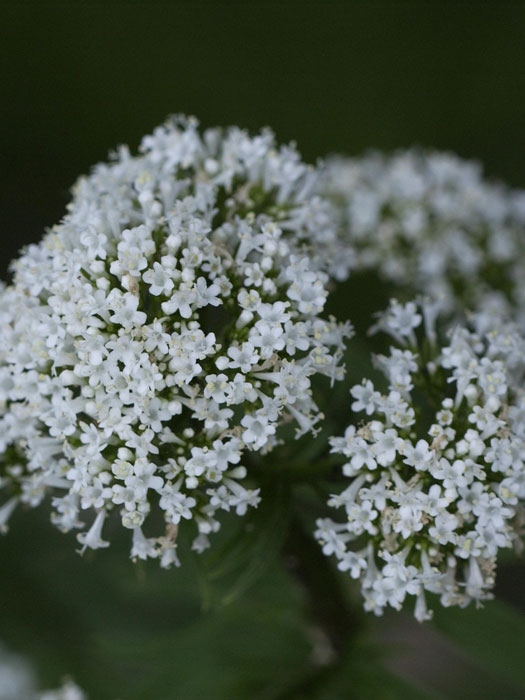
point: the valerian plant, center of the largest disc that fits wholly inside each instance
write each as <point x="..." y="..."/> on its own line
<point x="159" y="342"/>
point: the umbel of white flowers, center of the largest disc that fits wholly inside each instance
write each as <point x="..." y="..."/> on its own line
<point x="163" y="329"/>
<point x="430" y="223"/>
<point x="436" y="473"/>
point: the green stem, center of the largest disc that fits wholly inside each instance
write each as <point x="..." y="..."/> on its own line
<point x="335" y="623"/>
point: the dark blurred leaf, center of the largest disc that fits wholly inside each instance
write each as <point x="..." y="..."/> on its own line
<point x="493" y="636"/>
<point x="362" y="676"/>
<point x="134" y="631"/>
<point x="231" y="569"/>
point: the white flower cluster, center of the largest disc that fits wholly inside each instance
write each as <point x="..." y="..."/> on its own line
<point x="430" y="220"/>
<point x="437" y="472"/>
<point x="17" y="681"/>
<point x="164" y="327"/>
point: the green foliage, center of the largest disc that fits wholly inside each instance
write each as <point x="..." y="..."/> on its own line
<point x="135" y="632"/>
<point x="494" y="637"/>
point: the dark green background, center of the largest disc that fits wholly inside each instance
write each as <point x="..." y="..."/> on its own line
<point x="79" y="78"/>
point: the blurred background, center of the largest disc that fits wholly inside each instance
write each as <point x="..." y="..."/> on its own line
<point x="79" y="78"/>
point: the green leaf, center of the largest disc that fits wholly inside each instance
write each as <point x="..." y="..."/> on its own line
<point x="493" y="636"/>
<point x="230" y="570"/>
<point x="364" y="676"/>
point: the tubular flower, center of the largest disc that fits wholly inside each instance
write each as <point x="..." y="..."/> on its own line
<point x="163" y="329"/>
<point x="436" y="473"/>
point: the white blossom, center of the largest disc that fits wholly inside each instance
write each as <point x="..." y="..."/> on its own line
<point x="431" y="223"/>
<point x="429" y="505"/>
<point x="163" y="328"/>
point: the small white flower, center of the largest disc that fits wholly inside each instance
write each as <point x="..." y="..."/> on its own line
<point x="93" y="537"/>
<point x="257" y="430"/>
<point x="159" y="279"/>
<point x="367" y="398"/>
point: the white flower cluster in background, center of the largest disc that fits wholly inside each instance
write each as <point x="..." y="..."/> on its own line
<point x="165" y="327"/>
<point x="17" y="681"/>
<point x="68" y="691"/>
<point x="436" y="471"/>
<point x="430" y="223"/>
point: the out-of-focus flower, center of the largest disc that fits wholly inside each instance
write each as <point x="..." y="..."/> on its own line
<point x="17" y="681"/>
<point x="430" y="223"/>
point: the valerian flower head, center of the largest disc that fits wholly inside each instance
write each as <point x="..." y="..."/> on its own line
<point x="436" y="472"/>
<point x="430" y="223"/>
<point x="162" y="330"/>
